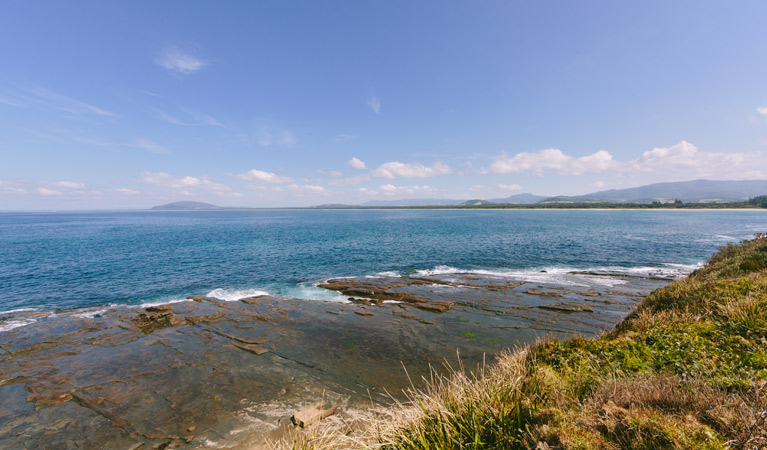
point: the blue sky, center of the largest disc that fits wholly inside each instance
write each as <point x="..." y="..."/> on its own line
<point x="133" y="104"/>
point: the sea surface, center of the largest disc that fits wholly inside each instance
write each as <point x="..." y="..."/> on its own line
<point x="56" y="261"/>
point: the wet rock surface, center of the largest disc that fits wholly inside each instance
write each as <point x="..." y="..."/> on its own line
<point x="229" y="374"/>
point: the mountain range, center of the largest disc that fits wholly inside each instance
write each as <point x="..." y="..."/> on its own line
<point x="696" y="191"/>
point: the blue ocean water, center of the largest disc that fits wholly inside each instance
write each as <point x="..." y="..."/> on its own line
<point x="51" y="261"/>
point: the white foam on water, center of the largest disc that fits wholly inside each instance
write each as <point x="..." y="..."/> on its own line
<point x="11" y="311"/>
<point x="570" y="276"/>
<point x="15" y="323"/>
<point x="231" y="295"/>
<point x="310" y="291"/>
<point x="160" y="303"/>
<point x="390" y="273"/>
<point x="91" y="313"/>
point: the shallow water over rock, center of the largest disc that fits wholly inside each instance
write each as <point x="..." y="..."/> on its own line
<point x="214" y="373"/>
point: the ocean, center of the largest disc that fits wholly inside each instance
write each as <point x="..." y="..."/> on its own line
<point x="58" y="261"/>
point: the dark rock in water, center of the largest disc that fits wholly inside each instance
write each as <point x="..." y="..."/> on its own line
<point x="379" y="290"/>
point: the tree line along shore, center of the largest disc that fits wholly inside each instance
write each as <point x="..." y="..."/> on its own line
<point x="753" y="203"/>
<point x="686" y="370"/>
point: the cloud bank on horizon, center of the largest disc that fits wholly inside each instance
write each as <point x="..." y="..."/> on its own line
<point x="274" y="105"/>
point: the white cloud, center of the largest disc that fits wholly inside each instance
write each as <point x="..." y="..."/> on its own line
<point x="266" y="177"/>
<point x="510" y="187"/>
<point x="151" y="146"/>
<point x="179" y="61"/>
<point x="181" y="182"/>
<point x="127" y="191"/>
<point x="479" y="188"/>
<point x="762" y="110"/>
<point x="357" y="164"/>
<point x="47" y="192"/>
<point x="375" y="104"/>
<point x="390" y="190"/>
<point x="684" y="160"/>
<point x="413" y="170"/>
<point x="599" y="184"/>
<point x="551" y="159"/>
<point x="69" y="185"/>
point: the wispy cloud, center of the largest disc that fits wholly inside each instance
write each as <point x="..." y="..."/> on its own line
<point x="390" y="190"/>
<point x="36" y="96"/>
<point x="266" y="177"/>
<point x="357" y="179"/>
<point x="47" y="192"/>
<point x="396" y="169"/>
<point x="343" y="137"/>
<point x="498" y="187"/>
<point x="69" y="185"/>
<point x="307" y="188"/>
<point x="151" y="146"/>
<point x="181" y="182"/>
<point x="332" y="173"/>
<point x="179" y="61"/>
<point x="126" y="191"/>
<point x="9" y="187"/>
<point x="375" y="104"/>
<point x="762" y="110"/>
<point x="203" y="119"/>
<point x="168" y="118"/>
<point x="357" y="164"/>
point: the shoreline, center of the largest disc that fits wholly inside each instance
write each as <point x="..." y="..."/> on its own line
<point x="221" y="366"/>
<point x="686" y="369"/>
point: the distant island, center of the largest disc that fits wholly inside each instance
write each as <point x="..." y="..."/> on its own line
<point x="186" y="206"/>
<point x="696" y="194"/>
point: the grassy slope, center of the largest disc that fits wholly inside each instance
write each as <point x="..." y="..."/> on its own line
<point x="686" y="370"/>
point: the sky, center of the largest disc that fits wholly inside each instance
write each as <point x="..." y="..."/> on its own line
<point x="111" y="105"/>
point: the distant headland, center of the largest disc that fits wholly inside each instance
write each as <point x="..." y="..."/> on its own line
<point x="696" y="194"/>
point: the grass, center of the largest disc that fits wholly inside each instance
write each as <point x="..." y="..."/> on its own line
<point x="686" y="370"/>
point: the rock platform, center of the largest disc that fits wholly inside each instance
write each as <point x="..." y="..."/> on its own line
<point x="227" y="374"/>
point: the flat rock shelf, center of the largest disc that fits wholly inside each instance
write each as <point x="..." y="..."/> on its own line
<point x="228" y="374"/>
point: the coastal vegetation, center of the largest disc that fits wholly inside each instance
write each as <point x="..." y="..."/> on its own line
<point x="686" y="370"/>
<point x="753" y="203"/>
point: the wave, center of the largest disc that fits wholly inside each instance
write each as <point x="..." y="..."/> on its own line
<point x="9" y="325"/>
<point x="92" y="313"/>
<point x="310" y="291"/>
<point x="11" y="311"/>
<point x="231" y="295"/>
<point x="571" y="275"/>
